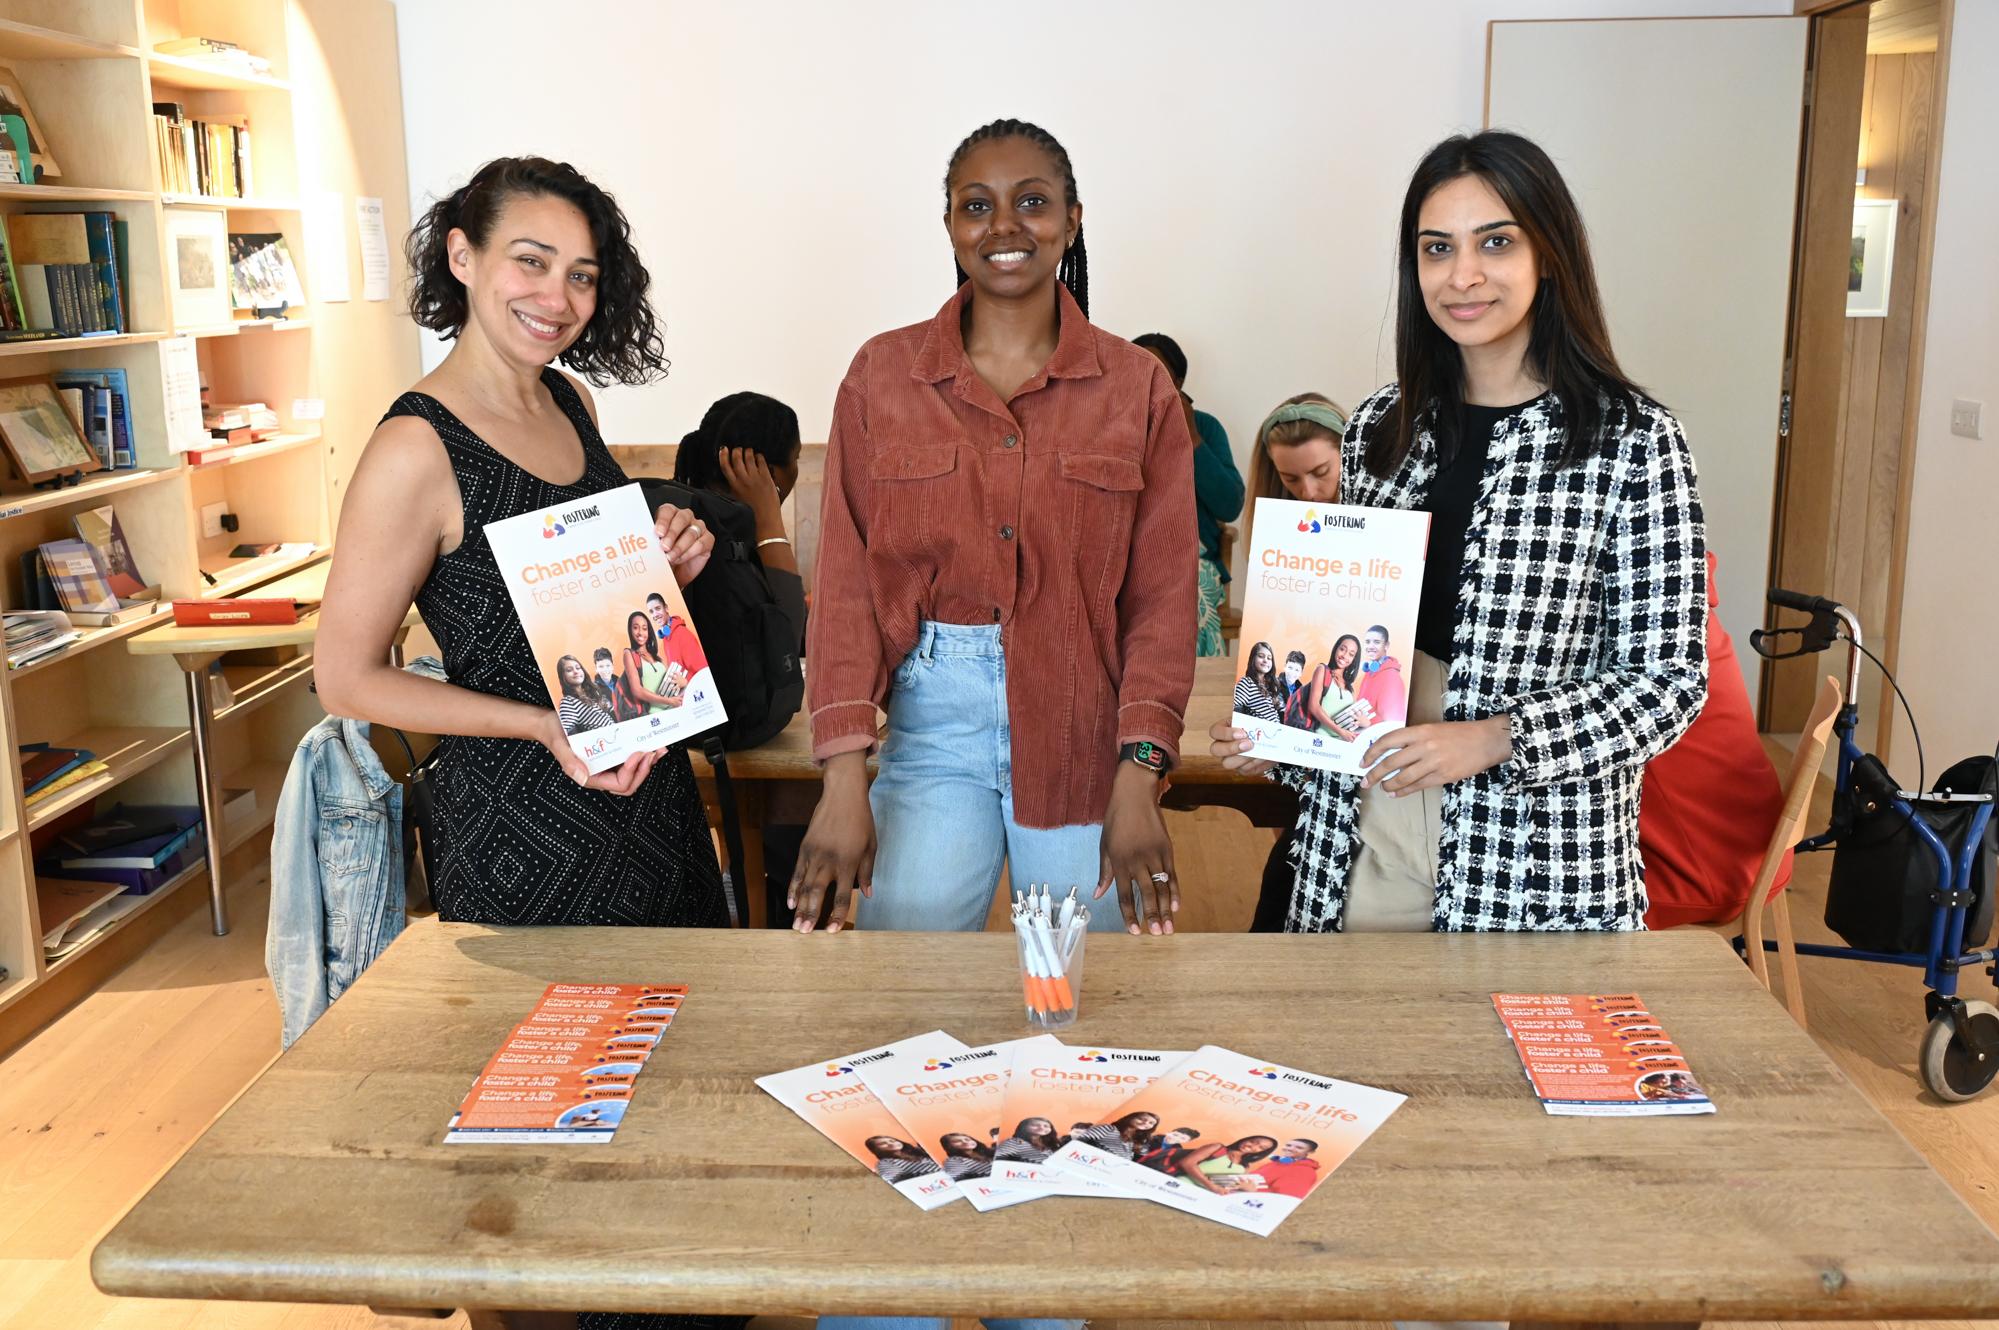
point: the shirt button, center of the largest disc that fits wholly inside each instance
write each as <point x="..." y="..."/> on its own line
<point x="1010" y="440"/>
<point x="1006" y="533"/>
<point x="995" y="614"/>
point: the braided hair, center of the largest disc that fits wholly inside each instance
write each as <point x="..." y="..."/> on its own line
<point x="1075" y="270"/>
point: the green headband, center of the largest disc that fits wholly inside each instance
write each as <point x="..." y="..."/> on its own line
<point x="1319" y="413"/>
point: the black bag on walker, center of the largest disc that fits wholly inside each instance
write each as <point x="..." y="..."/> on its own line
<point x="1881" y="896"/>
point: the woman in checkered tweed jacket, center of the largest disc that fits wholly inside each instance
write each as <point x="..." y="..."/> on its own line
<point x="1565" y="593"/>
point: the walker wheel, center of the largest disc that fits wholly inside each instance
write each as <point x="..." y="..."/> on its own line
<point x="1950" y="1070"/>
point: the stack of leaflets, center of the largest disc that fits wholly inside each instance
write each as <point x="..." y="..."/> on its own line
<point x="565" y="1074"/>
<point x="1599" y="1055"/>
<point x="141" y="848"/>
<point x="605" y="617"/>
<point x="1213" y="1133"/>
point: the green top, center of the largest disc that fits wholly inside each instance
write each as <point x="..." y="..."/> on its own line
<point x="1218" y="487"/>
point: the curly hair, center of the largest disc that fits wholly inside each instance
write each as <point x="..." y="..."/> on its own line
<point x="621" y="341"/>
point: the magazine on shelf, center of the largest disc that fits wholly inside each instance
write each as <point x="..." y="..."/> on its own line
<point x="608" y="625"/>
<point x="1279" y="1130"/>
<point x="837" y="1103"/>
<point x="1599" y="1055"/>
<point x="947" y="1098"/>
<point x="1055" y="1089"/>
<point x="1328" y="630"/>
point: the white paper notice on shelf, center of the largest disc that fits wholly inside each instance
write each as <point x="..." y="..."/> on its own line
<point x="180" y="384"/>
<point x="326" y="246"/>
<point x="308" y="408"/>
<point x="374" y="249"/>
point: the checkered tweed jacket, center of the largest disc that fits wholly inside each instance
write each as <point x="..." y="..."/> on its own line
<point x="1584" y="595"/>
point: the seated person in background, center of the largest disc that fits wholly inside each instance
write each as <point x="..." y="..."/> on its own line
<point x="1218" y="492"/>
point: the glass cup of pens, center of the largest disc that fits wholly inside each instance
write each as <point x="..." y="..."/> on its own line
<point x="1050" y="934"/>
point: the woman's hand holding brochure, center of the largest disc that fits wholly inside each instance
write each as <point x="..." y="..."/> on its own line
<point x="1232" y="745"/>
<point x="687" y="542"/>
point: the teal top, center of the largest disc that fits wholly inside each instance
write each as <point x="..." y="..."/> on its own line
<point x="1218" y="487"/>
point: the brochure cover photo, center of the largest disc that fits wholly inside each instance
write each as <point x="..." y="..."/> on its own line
<point x="1328" y="625"/>
<point x="608" y="625"/>
<point x="1258" y="1137"/>
<point x="948" y="1098"/>
<point x="837" y="1103"/>
<point x="1056" y="1091"/>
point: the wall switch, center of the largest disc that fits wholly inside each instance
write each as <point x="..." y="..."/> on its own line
<point x="1964" y="418"/>
<point x="211" y="519"/>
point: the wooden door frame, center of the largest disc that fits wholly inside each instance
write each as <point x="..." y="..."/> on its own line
<point x="1883" y="638"/>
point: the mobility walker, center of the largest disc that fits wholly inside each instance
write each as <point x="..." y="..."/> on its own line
<point x="1912" y="895"/>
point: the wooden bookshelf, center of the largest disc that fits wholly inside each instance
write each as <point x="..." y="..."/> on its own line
<point x="91" y="71"/>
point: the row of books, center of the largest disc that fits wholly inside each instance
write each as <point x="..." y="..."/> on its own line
<point x="63" y="274"/>
<point x="91" y="582"/>
<point x="47" y="771"/>
<point x="209" y="155"/>
<point x="99" y="872"/>
<point x="101" y="402"/>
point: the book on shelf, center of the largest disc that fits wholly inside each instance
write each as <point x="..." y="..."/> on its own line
<point x="80" y="583"/>
<point x="207" y="155"/>
<point x="261" y="273"/>
<point x="240" y="611"/>
<point x="132" y="881"/>
<point x="64" y="274"/>
<point x="147" y="852"/>
<point x="110" y="414"/>
<point x="77" y="776"/>
<point x="44" y="764"/>
<point x="100" y="529"/>
<point x="111" y="834"/>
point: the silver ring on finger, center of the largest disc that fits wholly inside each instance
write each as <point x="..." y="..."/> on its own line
<point x="1162" y="878"/>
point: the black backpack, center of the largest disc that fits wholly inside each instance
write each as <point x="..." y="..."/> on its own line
<point x="751" y="646"/>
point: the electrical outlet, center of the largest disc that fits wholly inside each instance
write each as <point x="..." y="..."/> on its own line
<point x="211" y="519"/>
<point x="1964" y="418"/>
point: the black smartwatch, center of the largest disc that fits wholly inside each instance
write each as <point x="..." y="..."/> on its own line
<point x="1148" y="755"/>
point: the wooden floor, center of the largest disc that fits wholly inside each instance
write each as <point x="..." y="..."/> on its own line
<point x="99" y="1105"/>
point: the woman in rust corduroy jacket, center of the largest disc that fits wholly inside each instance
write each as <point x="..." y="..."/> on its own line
<point x="1006" y="564"/>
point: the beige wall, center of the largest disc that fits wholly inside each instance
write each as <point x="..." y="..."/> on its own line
<point x="1950" y="623"/>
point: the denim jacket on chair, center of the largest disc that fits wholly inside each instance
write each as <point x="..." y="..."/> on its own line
<point x="336" y="867"/>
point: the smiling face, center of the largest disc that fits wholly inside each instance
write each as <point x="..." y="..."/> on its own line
<point x="1293" y="670"/>
<point x="884" y="1146"/>
<point x="1477" y="271"/>
<point x="1175" y="1138"/>
<point x="1144" y="1123"/>
<point x="1250" y="1145"/>
<point x="635" y="626"/>
<point x="958" y="1143"/>
<point x="1295" y="1149"/>
<point x="572" y="672"/>
<point x="533" y="287"/>
<point x="1009" y="218"/>
<point x="1377" y="645"/>
<point x="1260" y="661"/>
<point x="605" y="670"/>
<point x="1343" y="654"/>
<point x="657" y="609"/>
<point x="1037" y="1127"/>
<point x="1309" y="470"/>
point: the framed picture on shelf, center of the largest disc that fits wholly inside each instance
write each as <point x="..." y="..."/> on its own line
<point x="1872" y="261"/>
<point x="261" y="274"/>
<point x="197" y="267"/>
<point x="14" y="101"/>
<point x="38" y="432"/>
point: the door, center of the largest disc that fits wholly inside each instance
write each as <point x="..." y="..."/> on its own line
<point x="1680" y="139"/>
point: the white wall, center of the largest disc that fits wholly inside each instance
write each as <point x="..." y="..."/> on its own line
<point x="1241" y="165"/>
<point x="1950" y="615"/>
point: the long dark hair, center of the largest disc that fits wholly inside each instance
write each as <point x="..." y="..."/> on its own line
<point x="1258" y="1155"/>
<point x="1075" y="270"/>
<point x="652" y="635"/>
<point x="762" y="424"/>
<point x="620" y="342"/>
<point x="1268" y="681"/>
<point x="1128" y="1125"/>
<point x="903" y="1149"/>
<point x="979" y="1150"/>
<point x="582" y="692"/>
<point x="1353" y="666"/>
<point x="1568" y="344"/>
<point x="1040" y="1141"/>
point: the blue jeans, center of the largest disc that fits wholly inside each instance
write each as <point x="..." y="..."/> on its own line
<point x="943" y="801"/>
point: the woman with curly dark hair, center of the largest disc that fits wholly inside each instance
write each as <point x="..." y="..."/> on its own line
<point x="528" y="264"/>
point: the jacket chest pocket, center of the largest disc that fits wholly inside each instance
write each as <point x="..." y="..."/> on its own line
<point x="913" y="498"/>
<point x="1100" y="494"/>
<point x="350" y="839"/>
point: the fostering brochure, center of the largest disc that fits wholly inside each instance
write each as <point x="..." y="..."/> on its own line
<point x="1599" y="1055"/>
<point x="1260" y="1137"/>
<point x="608" y="625"/>
<point x="565" y="1074"/>
<point x="948" y="1098"/>
<point x="1328" y="630"/>
<point x="1056" y="1090"/>
<point x="838" y="1104"/>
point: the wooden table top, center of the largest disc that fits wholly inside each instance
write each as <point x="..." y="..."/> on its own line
<point x="308" y="586"/>
<point x="789" y="755"/>
<point x="326" y="1181"/>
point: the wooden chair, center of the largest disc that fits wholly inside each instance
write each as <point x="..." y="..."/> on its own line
<point x="1231" y="613"/>
<point x="1798" y="788"/>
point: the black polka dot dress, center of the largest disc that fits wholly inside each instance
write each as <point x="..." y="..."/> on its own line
<point x="517" y="841"/>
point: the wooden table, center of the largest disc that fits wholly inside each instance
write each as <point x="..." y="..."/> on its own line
<point x="194" y="650"/>
<point x="326" y="1181"/>
<point x="778" y="782"/>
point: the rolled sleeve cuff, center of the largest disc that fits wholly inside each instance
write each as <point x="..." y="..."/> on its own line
<point x="842" y="727"/>
<point x="1151" y="722"/>
<point x="1536" y="736"/>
